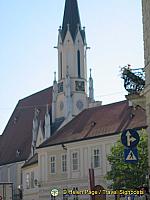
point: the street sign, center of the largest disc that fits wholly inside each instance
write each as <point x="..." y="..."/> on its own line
<point x="131" y="155"/>
<point x="130" y="138"/>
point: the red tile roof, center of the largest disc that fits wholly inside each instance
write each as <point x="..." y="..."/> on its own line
<point x="99" y="121"/>
<point x="15" y="143"/>
<point x="17" y="136"/>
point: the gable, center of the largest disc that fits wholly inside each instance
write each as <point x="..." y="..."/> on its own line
<point x="17" y="136"/>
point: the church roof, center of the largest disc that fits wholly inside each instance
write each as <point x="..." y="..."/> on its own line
<point x="17" y="136"/>
<point x="71" y="17"/>
<point x="99" y="122"/>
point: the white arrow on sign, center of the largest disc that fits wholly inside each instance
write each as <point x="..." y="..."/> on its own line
<point x="130" y="138"/>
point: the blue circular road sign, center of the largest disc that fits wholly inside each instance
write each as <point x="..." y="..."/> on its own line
<point x="130" y="138"/>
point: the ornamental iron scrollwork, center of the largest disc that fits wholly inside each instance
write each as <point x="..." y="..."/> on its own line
<point x="134" y="79"/>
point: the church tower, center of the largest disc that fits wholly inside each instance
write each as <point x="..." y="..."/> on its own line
<point x="70" y="91"/>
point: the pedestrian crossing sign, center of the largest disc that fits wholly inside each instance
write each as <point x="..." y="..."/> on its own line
<point x="131" y="155"/>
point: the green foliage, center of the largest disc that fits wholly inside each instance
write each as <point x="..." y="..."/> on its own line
<point x="126" y="175"/>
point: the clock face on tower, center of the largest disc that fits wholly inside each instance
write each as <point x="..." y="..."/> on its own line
<point x="79" y="85"/>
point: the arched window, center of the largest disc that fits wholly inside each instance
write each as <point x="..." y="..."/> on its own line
<point x="78" y="58"/>
<point x="61" y="65"/>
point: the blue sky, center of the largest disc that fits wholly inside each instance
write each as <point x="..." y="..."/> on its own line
<point x="29" y="31"/>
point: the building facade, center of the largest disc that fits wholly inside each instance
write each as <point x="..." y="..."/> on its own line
<point x="146" y="37"/>
<point x="64" y="159"/>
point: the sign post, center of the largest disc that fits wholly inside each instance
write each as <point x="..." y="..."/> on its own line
<point x="130" y="138"/>
<point x="92" y="181"/>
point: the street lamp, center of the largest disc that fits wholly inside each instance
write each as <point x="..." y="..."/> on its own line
<point x="20" y="192"/>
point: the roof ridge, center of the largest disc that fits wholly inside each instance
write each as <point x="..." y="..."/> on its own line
<point x="109" y="104"/>
<point x="115" y="102"/>
<point x="35" y="93"/>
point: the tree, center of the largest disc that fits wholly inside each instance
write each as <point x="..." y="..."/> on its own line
<point x="126" y="175"/>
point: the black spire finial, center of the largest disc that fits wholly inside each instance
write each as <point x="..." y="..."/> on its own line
<point x="71" y="17"/>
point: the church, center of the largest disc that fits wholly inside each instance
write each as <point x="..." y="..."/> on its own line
<point x="63" y="132"/>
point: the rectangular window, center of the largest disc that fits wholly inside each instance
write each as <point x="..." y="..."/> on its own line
<point x="32" y="179"/>
<point x="64" y="163"/>
<point x="52" y="164"/>
<point x="75" y="161"/>
<point x="27" y="181"/>
<point x="96" y="157"/>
